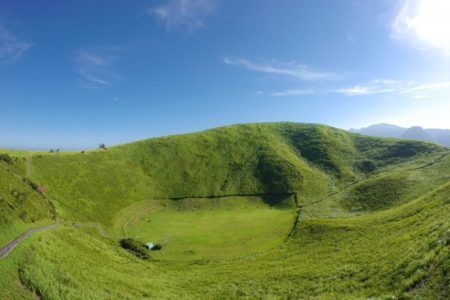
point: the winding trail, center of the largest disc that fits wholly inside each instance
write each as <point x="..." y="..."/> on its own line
<point x="432" y="163"/>
<point x="4" y="251"/>
<point x="300" y="207"/>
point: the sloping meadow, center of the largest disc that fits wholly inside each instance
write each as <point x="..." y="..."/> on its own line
<point x="365" y="217"/>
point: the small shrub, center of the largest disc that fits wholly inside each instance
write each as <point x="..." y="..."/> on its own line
<point x="135" y="247"/>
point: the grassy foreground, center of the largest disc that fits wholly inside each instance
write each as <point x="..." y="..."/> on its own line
<point x="369" y="220"/>
<point x="400" y="252"/>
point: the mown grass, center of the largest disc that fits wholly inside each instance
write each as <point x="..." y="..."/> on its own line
<point x="208" y="228"/>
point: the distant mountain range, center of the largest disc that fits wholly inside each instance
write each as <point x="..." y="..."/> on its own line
<point x="440" y="136"/>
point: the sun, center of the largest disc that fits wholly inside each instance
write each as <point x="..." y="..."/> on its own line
<point x="431" y="23"/>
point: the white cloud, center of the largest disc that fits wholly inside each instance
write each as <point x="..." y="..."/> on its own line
<point x="190" y="14"/>
<point x="427" y="87"/>
<point x="11" y="48"/>
<point x="378" y="86"/>
<point x="402" y="25"/>
<point x="292" y="69"/>
<point x="95" y="66"/>
<point x="356" y="91"/>
<point x="425" y="21"/>
<point x="293" y="92"/>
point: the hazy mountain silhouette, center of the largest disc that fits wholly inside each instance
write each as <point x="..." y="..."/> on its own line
<point x="417" y="133"/>
<point x="381" y="130"/>
<point x="440" y="136"/>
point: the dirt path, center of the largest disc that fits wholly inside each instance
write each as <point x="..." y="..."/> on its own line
<point x="4" y="251"/>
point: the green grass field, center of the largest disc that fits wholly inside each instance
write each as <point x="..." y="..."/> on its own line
<point x="208" y="228"/>
<point x="361" y="217"/>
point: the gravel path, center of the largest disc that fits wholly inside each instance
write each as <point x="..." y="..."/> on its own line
<point x="4" y="251"/>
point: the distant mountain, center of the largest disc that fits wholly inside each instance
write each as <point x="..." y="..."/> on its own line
<point x="417" y="133"/>
<point x="381" y="130"/>
<point x="440" y="136"/>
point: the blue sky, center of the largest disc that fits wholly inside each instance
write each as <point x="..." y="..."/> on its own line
<point x="77" y="73"/>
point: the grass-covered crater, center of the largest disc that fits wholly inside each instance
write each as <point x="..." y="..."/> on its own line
<point x="276" y="210"/>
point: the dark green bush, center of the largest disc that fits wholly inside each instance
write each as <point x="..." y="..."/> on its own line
<point x="6" y="158"/>
<point x="157" y="247"/>
<point x="135" y="247"/>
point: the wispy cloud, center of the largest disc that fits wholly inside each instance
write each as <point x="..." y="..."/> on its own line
<point x="427" y="87"/>
<point x="95" y="66"/>
<point x="11" y="48"/>
<point x="293" y="92"/>
<point x="292" y="69"/>
<point x="403" y="24"/>
<point x="190" y="14"/>
<point x="376" y="86"/>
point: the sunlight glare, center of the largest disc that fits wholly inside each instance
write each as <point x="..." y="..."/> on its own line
<point x="432" y="23"/>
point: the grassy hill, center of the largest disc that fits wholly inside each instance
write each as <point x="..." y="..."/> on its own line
<point x="244" y="159"/>
<point x="256" y="210"/>
<point x="21" y="204"/>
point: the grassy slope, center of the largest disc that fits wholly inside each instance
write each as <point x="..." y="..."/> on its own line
<point x="253" y="158"/>
<point x="395" y="187"/>
<point x="224" y="161"/>
<point x="11" y="286"/>
<point x="325" y="257"/>
<point x="397" y="252"/>
<point x="21" y="207"/>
